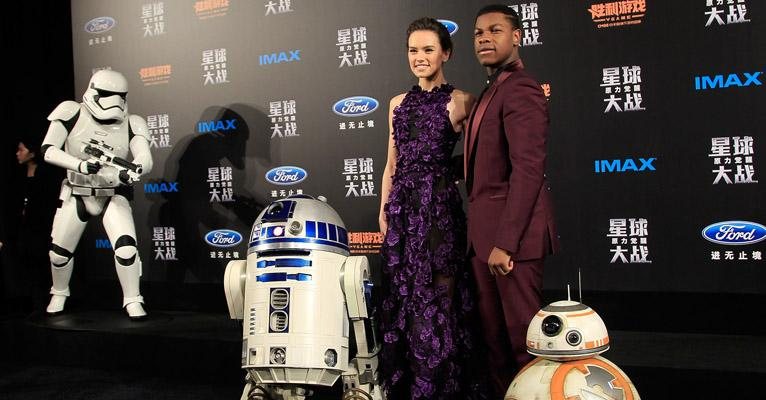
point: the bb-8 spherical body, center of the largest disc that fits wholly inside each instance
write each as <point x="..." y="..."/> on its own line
<point x="567" y="337"/>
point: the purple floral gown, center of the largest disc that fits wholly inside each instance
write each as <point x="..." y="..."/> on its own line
<point x="425" y="295"/>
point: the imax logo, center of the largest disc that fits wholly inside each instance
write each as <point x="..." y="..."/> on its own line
<point x="223" y="238"/>
<point x="734" y="232"/>
<point x="162" y="187"/>
<point x="278" y="58"/>
<point x="603" y="166"/>
<point x="103" y="244"/>
<point x="216" y="126"/>
<point x="450" y="25"/>
<point x="705" y="82"/>
<point x="355" y="106"/>
<point x="286" y="175"/>
<point x="100" y="25"/>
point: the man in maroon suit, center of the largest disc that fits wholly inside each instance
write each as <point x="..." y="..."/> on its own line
<point x="510" y="216"/>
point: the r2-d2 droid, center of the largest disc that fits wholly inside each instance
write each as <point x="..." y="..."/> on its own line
<point x="567" y="338"/>
<point x="298" y="294"/>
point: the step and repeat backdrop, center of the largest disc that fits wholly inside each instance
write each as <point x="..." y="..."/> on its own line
<point x="656" y="148"/>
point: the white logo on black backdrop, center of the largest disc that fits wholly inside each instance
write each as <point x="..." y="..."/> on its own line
<point x="214" y="67"/>
<point x="153" y="18"/>
<point x="356" y="125"/>
<point x="281" y="7"/>
<point x="733" y="155"/>
<point x="164" y="240"/>
<point x="623" y="85"/>
<point x="282" y="193"/>
<point x="224" y="254"/>
<point x="529" y="16"/>
<point x="220" y="181"/>
<point x="355" y="107"/>
<point x="633" y="234"/>
<point x="282" y="114"/>
<point x="159" y="130"/>
<point x="352" y="44"/>
<point x="730" y="255"/>
<point x="99" y="27"/>
<point x="358" y="173"/>
<point x="733" y="10"/>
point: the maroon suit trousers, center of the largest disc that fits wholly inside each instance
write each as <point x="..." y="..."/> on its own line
<point x="506" y="305"/>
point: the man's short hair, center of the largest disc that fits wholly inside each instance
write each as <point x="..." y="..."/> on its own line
<point x="508" y="11"/>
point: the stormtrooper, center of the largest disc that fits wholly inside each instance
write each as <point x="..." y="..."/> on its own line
<point x="299" y="294"/>
<point x="91" y="140"/>
<point x="567" y="338"/>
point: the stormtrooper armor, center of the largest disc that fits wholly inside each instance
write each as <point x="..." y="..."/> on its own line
<point x="567" y="338"/>
<point x="91" y="140"/>
<point x="298" y="294"/>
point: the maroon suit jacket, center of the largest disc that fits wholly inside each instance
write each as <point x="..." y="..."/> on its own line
<point x="509" y="200"/>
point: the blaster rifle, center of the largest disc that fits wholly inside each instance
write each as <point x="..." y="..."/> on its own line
<point x="102" y="153"/>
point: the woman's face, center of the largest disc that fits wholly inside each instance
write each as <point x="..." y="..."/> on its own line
<point x="425" y="54"/>
<point x="23" y="154"/>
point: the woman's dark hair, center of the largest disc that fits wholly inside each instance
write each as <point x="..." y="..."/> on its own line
<point x="430" y="24"/>
<point x="32" y="142"/>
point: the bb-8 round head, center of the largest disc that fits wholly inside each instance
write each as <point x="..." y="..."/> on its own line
<point x="567" y="330"/>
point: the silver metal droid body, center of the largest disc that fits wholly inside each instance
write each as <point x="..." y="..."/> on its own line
<point x="299" y="293"/>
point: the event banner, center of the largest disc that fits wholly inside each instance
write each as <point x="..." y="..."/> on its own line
<point x="655" y="150"/>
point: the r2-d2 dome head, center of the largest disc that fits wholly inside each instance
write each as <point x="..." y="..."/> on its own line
<point x="299" y="222"/>
<point x="567" y="330"/>
<point x="106" y="95"/>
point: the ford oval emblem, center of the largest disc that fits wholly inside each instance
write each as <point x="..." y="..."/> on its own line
<point x="100" y="24"/>
<point x="223" y="238"/>
<point x="355" y="106"/>
<point x="286" y="175"/>
<point x="450" y="25"/>
<point x="734" y="232"/>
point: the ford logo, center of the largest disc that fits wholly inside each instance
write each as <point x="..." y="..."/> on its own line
<point x="223" y="238"/>
<point x="100" y="24"/>
<point x="286" y="175"/>
<point x="734" y="232"/>
<point x="355" y="106"/>
<point x="450" y="25"/>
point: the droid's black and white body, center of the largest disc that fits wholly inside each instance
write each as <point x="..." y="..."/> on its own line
<point x="567" y="338"/>
<point x="299" y="293"/>
<point x="92" y="140"/>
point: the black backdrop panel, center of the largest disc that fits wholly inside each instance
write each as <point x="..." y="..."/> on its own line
<point x="648" y="144"/>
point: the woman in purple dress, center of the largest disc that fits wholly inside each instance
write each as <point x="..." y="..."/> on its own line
<point x="425" y="341"/>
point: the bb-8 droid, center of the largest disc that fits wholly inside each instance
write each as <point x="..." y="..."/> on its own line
<point x="567" y="338"/>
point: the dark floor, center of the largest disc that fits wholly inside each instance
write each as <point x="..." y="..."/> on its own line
<point x="100" y="354"/>
<point x="35" y="382"/>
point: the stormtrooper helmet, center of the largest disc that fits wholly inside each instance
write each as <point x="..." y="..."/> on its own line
<point x="105" y="96"/>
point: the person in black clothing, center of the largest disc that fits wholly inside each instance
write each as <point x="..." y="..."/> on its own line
<point x="35" y="209"/>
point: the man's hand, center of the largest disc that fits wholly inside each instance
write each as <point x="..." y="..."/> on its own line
<point x="499" y="262"/>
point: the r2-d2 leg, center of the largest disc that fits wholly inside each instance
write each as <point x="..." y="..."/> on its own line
<point x="360" y="380"/>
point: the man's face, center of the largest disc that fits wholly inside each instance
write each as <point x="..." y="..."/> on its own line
<point x="495" y="40"/>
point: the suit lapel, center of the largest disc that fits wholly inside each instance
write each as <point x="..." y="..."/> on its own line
<point x="478" y="113"/>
